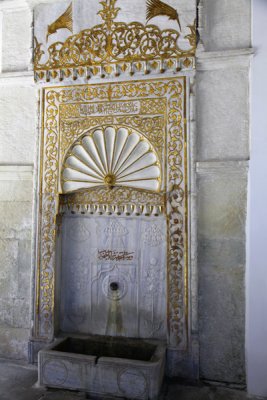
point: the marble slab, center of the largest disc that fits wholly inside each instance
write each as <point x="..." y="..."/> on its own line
<point x="99" y="251"/>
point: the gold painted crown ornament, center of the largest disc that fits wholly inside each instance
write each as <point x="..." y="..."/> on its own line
<point x="113" y="47"/>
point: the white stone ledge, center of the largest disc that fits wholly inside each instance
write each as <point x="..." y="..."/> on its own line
<point x="23" y="78"/>
<point x="222" y="167"/>
<point x="213" y="60"/>
<point x="16" y="172"/>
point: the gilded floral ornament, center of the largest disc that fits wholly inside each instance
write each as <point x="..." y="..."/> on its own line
<point x="109" y="12"/>
<point x="111" y="46"/>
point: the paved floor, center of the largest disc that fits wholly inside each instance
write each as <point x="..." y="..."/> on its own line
<point x="17" y="383"/>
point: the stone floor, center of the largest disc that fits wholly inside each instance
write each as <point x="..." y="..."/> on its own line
<point x="17" y="383"/>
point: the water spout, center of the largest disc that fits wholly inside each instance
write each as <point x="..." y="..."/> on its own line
<point x="114" y="323"/>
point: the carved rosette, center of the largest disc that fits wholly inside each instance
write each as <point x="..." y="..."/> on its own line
<point x="173" y="193"/>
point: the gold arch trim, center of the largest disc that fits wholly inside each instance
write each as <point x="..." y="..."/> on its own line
<point x="174" y="196"/>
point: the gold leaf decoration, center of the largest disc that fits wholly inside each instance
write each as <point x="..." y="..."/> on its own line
<point x="63" y="22"/>
<point x="54" y="74"/>
<point x="114" y="42"/>
<point x="38" y="53"/>
<point x="170" y="63"/>
<point x="67" y="73"/>
<point x="81" y="71"/>
<point x="192" y="37"/>
<point x="109" y="12"/>
<point x="187" y="62"/>
<point x="139" y="66"/>
<point x="108" y="69"/>
<point x="157" y="7"/>
<point x="154" y="64"/>
<point x="124" y="67"/>
<point x="95" y="70"/>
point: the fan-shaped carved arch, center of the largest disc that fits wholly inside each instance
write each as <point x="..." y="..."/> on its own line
<point x="111" y="156"/>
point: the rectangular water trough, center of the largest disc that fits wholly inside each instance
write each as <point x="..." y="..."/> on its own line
<point x="104" y="366"/>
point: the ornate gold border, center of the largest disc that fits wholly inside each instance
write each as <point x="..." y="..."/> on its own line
<point x="174" y="90"/>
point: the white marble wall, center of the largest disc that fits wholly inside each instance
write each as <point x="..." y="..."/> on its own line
<point x="222" y="155"/>
<point x="227" y="24"/>
<point x="17" y="152"/>
<point x="15" y="259"/>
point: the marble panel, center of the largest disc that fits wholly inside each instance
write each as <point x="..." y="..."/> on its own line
<point x="15" y="313"/>
<point x="222" y="323"/>
<point x="24" y="271"/>
<point x="14" y="342"/>
<point x="223" y="114"/>
<point x="9" y="268"/>
<point x="17" y="40"/>
<point x="221" y="263"/>
<point x="16" y="220"/>
<point x="130" y="252"/>
<point x="15" y="256"/>
<point x="227" y="24"/>
<point x="6" y="312"/>
<point x="21" y="312"/>
<point x="222" y="201"/>
<point x="15" y="283"/>
<point x="18" y="107"/>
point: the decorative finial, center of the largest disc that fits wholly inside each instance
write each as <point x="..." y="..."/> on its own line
<point x="109" y="12"/>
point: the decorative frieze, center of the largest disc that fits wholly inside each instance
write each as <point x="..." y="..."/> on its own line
<point x="112" y="48"/>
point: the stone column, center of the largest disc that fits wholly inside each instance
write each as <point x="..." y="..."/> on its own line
<point x="222" y="163"/>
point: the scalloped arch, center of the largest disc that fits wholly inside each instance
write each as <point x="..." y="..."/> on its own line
<point x="111" y="156"/>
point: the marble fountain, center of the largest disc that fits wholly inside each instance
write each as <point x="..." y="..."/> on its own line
<point x="113" y="213"/>
<point x="111" y="278"/>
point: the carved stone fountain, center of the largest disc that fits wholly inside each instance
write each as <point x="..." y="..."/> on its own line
<point x="111" y="282"/>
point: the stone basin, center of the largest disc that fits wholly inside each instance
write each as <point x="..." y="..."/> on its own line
<point x="103" y="366"/>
